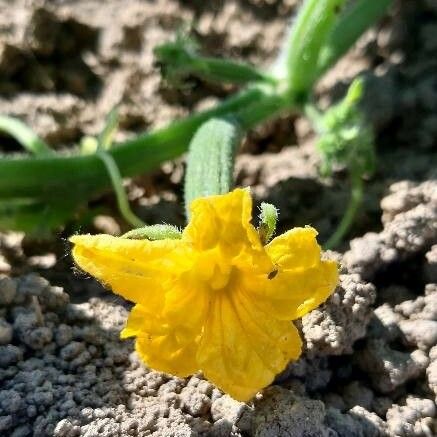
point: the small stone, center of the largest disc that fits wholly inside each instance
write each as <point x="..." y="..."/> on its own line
<point x="22" y="431"/>
<point x="420" y="333"/>
<point x="412" y="418"/>
<point x="40" y="337"/>
<point x="72" y="350"/>
<point x="54" y="298"/>
<point x="6" y="422"/>
<point x="227" y="408"/>
<point x="11" y="401"/>
<point x="32" y="285"/>
<point x="8" y="289"/>
<point x="106" y="224"/>
<point x="280" y="413"/>
<point x="10" y="355"/>
<point x="390" y="368"/>
<point x="194" y="402"/>
<point x="6" y="332"/>
<point x="356" y="394"/>
<point x="63" y="334"/>
<point x="385" y="323"/>
<point x="65" y="428"/>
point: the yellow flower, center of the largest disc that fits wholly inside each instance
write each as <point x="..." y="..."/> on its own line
<point x="216" y="300"/>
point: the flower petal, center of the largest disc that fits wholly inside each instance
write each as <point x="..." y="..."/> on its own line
<point x="296" y="249"/>
<point x="142" y="321"/>
<point x="223" y="219"/>
<point x="303" y="281"/>
<point x="167" y="335"/>
<point x="292" y="294"/>
<point x="136" y="269"/>
<point x="160" y="345"/>
<point x="168" y="354"/>
<point x="186" y="304"/>
<point x="243" y="348"/>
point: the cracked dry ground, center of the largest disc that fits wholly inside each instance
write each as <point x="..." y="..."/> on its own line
<point x="369" y="367"/>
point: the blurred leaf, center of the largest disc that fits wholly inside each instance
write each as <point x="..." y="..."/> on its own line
<point x="24" y="135"/>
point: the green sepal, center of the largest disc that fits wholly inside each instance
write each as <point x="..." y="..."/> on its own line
<point x="268" y="219"/>
<point x="154" y="232"/>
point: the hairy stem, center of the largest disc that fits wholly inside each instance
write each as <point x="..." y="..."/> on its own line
<point x="210" y="163"/>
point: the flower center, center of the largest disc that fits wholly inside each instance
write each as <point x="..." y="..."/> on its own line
<point x="221" y="276"/>
<point x="215" y="269"/>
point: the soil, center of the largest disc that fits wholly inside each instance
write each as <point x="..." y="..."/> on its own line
<point x="370" y="362"/>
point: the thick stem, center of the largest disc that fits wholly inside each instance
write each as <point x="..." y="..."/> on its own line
<point x="352" y="24"/>
<point x="308" y="35"/>
<point x="210" y="162"/>
<point x="48" y="177"/>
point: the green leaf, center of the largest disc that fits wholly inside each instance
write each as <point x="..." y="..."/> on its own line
<point x="35" y="216"/>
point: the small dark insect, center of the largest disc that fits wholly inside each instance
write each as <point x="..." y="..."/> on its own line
<point x="272" y="274"/>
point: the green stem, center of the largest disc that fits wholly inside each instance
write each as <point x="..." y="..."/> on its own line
<point x="117" y="184"/>
<point x="352" y="24"/>
<point x="313" y="24"/>
<point x="357" y="192"/>
<point x="265" y="108"/>
<point x="180" y="59"/>
<point x="87" y="172"/>
<point x="315" y="117"/>
<point x="224" y="70"/>
<point x="47" y="177"/>
<point x="105" y="138"/>
<point x="26" y="137"/>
